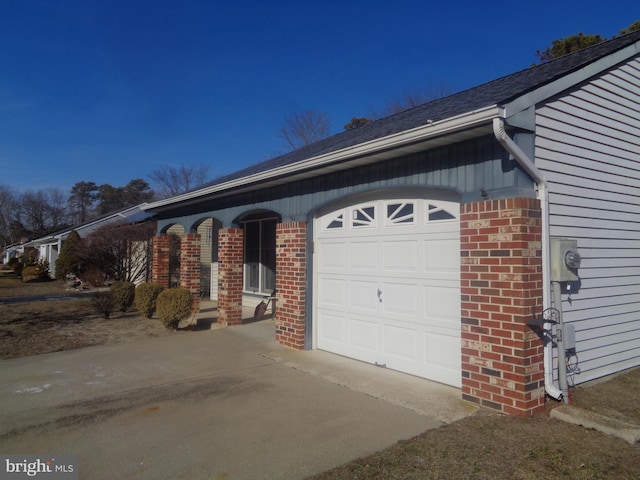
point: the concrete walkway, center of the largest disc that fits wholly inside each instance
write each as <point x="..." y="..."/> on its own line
<point x="221" y="403"/>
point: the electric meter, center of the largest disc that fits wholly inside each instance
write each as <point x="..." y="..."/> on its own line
<point x="565" y="260"/>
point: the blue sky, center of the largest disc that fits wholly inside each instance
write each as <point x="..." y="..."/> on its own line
<point x="107" y="91"/>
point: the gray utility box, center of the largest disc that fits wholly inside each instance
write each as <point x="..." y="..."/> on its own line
<point x="565" y="260"/>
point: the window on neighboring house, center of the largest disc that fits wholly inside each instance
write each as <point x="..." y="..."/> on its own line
<point x="260" y="255"/>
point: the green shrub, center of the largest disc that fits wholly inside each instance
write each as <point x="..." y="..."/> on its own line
<point x="173" y="305"/>
<point x="122" y="294"/>
<point x="69" y="262"/>
<point x="146" y="296"/>
<point x="37" y="272"/>
<point x="103" y="303"/>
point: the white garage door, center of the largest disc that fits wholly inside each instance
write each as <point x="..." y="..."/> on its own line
<point x="388" y="285"/>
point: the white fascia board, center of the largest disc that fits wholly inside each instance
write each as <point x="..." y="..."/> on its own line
<point x="122" y="214"/>
<point x="39" y="241"/>
<point x="588" y="71"/>
<point x="397" y="140"/>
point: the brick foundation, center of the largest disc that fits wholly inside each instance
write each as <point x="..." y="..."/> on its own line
<point x="501" y="285"/>
<point x="291" y="283"/>
<point x="190" y="266"/>
<point x="160" y="261"/>
<point x="230" y="257"/>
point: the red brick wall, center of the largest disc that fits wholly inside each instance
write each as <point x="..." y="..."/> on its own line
<point x="230" y="257"/>
<point x="160" y="261"/>
<point x="501" y="286"/>
<point x="190" y="265"/>
<point x="291" y="283"/>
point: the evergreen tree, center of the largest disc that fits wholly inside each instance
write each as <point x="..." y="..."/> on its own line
<point x="573" y="43"/>
<point x="69" y="261"/>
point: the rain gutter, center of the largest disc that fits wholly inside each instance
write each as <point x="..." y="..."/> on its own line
<point x="543" y="195"/>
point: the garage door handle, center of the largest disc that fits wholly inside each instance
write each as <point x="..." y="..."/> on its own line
<point x="380" y="295"/>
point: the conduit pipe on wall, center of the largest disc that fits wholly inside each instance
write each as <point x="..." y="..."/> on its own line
<point x="543" y="195"/>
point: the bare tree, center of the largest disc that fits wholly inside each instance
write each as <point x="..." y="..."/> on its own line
<point x="56" y="208"/>
<point x="173" y="181"/>
<point x="304" y="128"/>
<point x="43" y="211"/>
<point x="9" y="216"/>
<point x="401" y="102"/>
<point x="35" y="207"/>
<point x="411" y="98"/>
<point x="122" y="252"/>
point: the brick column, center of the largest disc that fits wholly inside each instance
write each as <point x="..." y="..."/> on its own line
<point x="230" y="256"/>
<point x="291" y="283"/>
<point x="190" y="266"/>
<point x="501" y="286"/>
<point x="160" y="261"/>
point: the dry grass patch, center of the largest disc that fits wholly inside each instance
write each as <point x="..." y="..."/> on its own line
<point x="12" y="286"/>
<point x="38" y="327"/>
<point x="495" y="447"/>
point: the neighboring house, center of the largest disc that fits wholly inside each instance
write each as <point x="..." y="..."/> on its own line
<point x="422" y="241"/>
<point x="49" y="246"/>
<point x="12" y="251"/>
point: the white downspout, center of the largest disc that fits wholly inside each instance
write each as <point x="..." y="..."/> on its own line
<point x="543" y="195"/>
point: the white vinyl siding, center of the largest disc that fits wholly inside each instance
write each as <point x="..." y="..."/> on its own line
<point x="214" y="281"/>
<point x="588" y="146"/>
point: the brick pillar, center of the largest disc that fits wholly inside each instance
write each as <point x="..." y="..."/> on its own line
<point x="230" y="256"/>
<point x="160" y="261"/>
<point x="501" y="286"/>
<point x="291" y="283"/>
<point x="190" y="266"/>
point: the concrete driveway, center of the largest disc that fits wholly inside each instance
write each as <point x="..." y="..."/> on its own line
<point x="222" y="403"/>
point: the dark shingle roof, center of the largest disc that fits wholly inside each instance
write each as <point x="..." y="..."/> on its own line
<point x="495" y="92"/>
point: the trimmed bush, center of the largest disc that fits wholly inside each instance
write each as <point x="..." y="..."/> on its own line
<point x="122" y="294"/>
<point x="146" y="296"/>
<point x="173" y="305"/>
<point x="29" y="274"/>
<point x="37" y="272"/>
